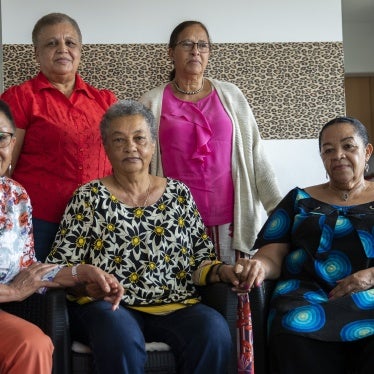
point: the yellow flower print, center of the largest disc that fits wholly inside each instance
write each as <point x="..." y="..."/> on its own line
<point x="159" y="230"/>
<point x="63" y="232"/>
<point x="134" y="278"/>
<point x="162" y="206"/>
<point x="135" y="241"/>
<point x="196" y="213"/>
<point x="152" y="266"/>
<point x="86" y="204"/>
<point x="192" y="260"/>
<point x="184" y="250"/>
<point x="181" y="274"/>
<point x="181" y="199"/>
<point x="53" y="251"/>
<point x="94" y="189"/>
<point x="80" y="242"/>
<point x="117" y="259"/>
<point x="204" y="236"/>
<point x="138" y="212"/>
<point x="79" y="216"/>
<point x="167" y="258"/>
<point x="110" y="227"/>
<point x="181" y="221"/>
<point x="98" y="246"/>
<point x="113" y="198"/>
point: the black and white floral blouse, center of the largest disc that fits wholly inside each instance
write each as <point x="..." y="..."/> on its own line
<point x="153" y="251"/>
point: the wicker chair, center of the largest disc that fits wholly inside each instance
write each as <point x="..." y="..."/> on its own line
<point x="219" y="296"/>
<point x="49" y="313"/>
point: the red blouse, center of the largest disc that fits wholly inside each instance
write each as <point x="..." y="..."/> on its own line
<point x="62" y="148"/>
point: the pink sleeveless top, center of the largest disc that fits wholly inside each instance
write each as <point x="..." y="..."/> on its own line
<point x="196" y="145"/>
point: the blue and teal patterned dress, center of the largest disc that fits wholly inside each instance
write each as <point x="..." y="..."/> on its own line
<point x="328" y="243"/>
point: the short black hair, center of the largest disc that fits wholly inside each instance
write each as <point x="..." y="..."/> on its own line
<point x="4" y="108"/>
<point x="360" y="128"/>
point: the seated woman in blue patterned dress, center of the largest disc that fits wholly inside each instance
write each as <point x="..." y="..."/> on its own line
<point x="319" y="244"/>
<point x="146" y="231"/>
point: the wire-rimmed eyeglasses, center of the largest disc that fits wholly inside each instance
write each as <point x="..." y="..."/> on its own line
<point x="189" y="45"/>
<point x="5" y="138"/>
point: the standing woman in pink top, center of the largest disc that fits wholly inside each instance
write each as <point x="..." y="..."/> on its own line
<point x="209" y="139"/>
<point x="58" y="145"/>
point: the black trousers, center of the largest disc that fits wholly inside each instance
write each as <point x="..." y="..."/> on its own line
<point x="291" y="354"/>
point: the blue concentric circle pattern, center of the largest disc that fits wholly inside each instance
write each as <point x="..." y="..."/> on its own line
<point x="286" y="287"/>
<point x="277" y="226"/>
<point x="295" y="260"/>
<point x="357" y="330"/>
<point x="335" y="267"/>
<point x="305" y="319"/>
<point x="364" y="299"/>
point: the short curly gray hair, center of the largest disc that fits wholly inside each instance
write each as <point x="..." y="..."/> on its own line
<point x="124" y="108"/>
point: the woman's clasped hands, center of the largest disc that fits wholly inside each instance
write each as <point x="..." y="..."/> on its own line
<point x="244" y="275"/>
<point x="100" y="285"/>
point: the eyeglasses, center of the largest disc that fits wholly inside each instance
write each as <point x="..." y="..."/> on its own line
<point x="189" y="45"/>
<point x="5" y="139"/>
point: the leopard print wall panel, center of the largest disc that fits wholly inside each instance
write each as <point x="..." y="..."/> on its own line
<point x="293" y="88"/>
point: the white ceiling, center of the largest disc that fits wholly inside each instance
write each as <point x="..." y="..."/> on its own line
<point x="358" y="10"/>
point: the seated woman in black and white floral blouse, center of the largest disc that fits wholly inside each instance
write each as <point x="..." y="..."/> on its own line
<point x="146" y="231"/>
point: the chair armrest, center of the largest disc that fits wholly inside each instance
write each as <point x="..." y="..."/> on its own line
<point x="220" y="297"/>
<point x="259" y="298"/>
<point x="49" y="312"/>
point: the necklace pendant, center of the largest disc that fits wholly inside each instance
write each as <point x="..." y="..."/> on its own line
<point x="345" y="196"/>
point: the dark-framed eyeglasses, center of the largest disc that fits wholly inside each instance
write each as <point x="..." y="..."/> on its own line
<point x="5" y="138"/>
<point x="189" y="45"/>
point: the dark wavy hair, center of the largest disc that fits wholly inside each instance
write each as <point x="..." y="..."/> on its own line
<point x="175" y="35"/>
<point x="4" y="108"/>
<point x="360" y="129"/>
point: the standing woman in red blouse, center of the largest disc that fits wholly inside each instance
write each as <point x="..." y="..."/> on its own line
<point x="57" y="114"/>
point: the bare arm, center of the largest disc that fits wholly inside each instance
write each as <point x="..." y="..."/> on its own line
<point x="356" y="282"/>
<point x="26" y="282"/>
<point x="271" y="257"/>
<point x="248" y="273"/>
<point x="265" y="264"/>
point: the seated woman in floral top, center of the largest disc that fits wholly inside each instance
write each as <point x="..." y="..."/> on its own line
<point x="23" y="346"/>
<point x="146" y="231"/>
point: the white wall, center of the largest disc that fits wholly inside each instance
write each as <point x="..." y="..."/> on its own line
<point x="296" y="162"/>
<point x="150" y="21"/>
<point x="359" y="47"/>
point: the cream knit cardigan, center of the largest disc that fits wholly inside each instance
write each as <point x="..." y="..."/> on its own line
<point x="252" y="174"/>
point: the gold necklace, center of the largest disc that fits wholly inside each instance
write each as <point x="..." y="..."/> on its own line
<point x="188" y="92"/>
<point x="128" y="195"/>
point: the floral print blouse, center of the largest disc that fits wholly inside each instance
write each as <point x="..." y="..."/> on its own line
<point x="16" y="237"/>
<point x="155" y="252"/>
